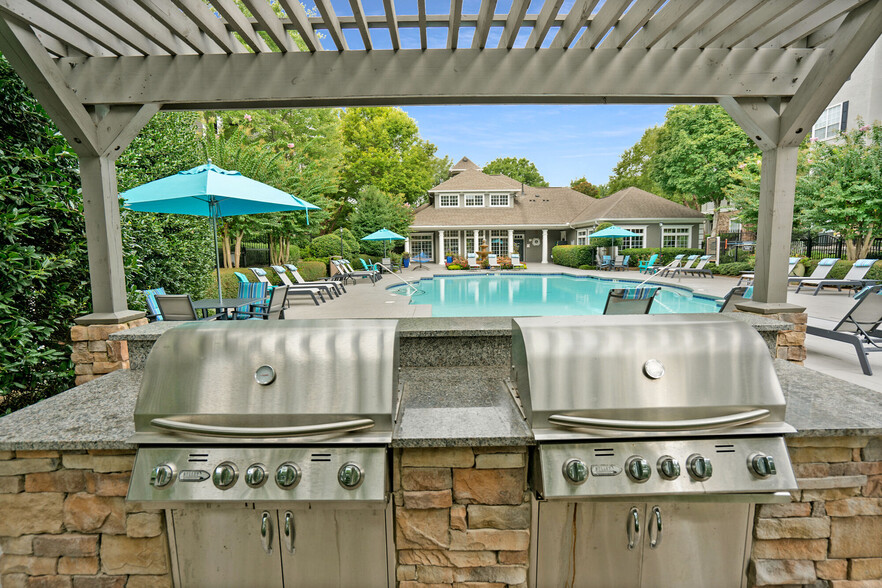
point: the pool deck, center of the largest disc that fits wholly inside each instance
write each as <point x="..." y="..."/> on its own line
<point x="365" y="300"/>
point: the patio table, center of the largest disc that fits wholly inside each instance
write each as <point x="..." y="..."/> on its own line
<point x="224" y="305"/>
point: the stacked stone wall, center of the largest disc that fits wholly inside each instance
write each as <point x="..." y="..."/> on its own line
<point x="94" y="354"/>
<point x="830" y="536"/>
<point x="66" y="524"/>
<point x="462" y="517"/>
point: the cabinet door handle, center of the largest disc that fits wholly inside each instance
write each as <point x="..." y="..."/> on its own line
<point x="656" y="541"/>
<point x="633" y="527"/>
<point x="266" y="532"/>
<point x="289" y="531"/>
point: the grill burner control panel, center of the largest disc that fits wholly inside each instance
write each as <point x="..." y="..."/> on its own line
<point x="223" y="474"/>
<point x="691" y="466"/>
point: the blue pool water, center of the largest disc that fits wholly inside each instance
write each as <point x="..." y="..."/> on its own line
<point x="509" y="294"/>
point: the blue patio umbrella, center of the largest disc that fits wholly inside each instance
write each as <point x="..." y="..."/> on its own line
<point x="207" y="190"/>
<point x="383" y="235"/>
<point x="612" y="233"/>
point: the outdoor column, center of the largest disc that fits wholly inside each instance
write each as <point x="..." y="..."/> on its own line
<point x="477" y="245"/>
<point x="777" y="188"/>
<point x="544" y="245"/>
<point x="441" y="252"/>
<point x="510" y="241"/>
<point x="407" y="245"/>
<point x="104" y="240"/>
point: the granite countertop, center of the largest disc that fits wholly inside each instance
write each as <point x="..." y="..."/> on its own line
<point x="441" y="407"/>
<point x="458" y="407"/>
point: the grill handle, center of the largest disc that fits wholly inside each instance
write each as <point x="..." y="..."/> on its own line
<point x="730" y="420"/>
<point x="338" y="427"/>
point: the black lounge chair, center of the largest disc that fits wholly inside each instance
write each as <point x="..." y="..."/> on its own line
<point x="630" y="300"/>
<point x="859" y="327"/>
<point x="736" y="295"/>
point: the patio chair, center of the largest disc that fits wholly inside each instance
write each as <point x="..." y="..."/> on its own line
<point x="824" y="267"/>
<point x="179" y="307"/>
<point x="337" y="284"/>
<point x="388" y="264"/>
<point x="516" y="261"/>
<point x="153" y="313"/>
<point x="371" y="267"/>
<point x="853" y="280"/>
<point x="645" y="267"/>
<point x="699" y="269"/>
<point x="671" y="266"/>
<point x="630" y="300"/>
<point x="493" y="261"/>
<point x="251" y="290"/>
<point x="272" y="310"/>
<point x="292" y="290"/>
<point x="617" y="262"/>
<point x="323" y="287"/>
<point x="749" y="276"/>
<point x="371" y="275"/>
<point x="859" y="327"/>
<point x="735" y="296"/>
<point x="243" y="279"/>
<point x="472" y="260"/>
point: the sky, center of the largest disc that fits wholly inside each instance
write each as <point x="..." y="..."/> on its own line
<point x="565" y="142"/>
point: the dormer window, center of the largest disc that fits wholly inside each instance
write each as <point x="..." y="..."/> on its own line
<point x="499" y="199"/>
<point x="474" y="200"/>
<point x="448" y="200"/>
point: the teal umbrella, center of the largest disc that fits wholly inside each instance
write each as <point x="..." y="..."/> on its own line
<point x="207" y="190"/>
<point x="383" y="235"/>
<point x="612" y="232"/>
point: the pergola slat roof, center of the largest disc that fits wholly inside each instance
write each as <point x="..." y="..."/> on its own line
<point x="102" y="68"/>
<point x="101" y="28"/>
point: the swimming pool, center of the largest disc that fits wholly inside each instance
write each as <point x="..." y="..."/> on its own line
<point x="510" y="294"/>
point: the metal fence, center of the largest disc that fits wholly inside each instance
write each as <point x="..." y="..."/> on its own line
<point x="813" y="246"/>
<point x="252" y="254"/>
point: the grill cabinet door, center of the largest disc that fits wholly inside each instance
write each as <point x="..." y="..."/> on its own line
<point x="702" y="544"/>
<point x="585" y="544"/>
<point x="334" y="546"/>
<point x="221" y="546"/>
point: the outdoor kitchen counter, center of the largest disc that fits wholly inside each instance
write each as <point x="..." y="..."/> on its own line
<point x="442" y="407"/>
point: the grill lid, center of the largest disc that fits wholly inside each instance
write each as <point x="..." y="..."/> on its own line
<point x="629" y="375"/>
<point x="311" y="380"/>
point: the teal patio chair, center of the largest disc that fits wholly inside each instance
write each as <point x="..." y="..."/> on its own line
<point x="644" y="267"/>
<point x="153" y="313"/>
<point x="630" y="300"/>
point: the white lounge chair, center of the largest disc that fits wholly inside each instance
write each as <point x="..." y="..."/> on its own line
<point x="326" y="287"/>
<point x="824" y="267"/>
<point x="749" y="276"/>
<point x="853" y="280"/>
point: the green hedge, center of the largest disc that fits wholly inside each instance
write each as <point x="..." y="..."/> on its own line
<point x="731" y="269"/>
<point x="312" y="270"/>
<point x="665" y="255"/>
<point x="573" y="255"/>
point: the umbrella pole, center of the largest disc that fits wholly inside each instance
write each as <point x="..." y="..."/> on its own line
<point x="213" y="206"/>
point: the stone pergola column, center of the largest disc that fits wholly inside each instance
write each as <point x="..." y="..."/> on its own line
<point x="510" y="241"/>
<point x="544" y="245"/>
<point x="440" y="247"/>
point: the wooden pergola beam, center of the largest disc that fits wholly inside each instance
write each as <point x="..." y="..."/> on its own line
<point x="438" y="77"/>
<point x="240" y="25"/>
<point x="361" y="22"/>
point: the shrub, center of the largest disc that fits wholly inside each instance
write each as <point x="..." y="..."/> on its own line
<point x="732" y="269"/>
<point x="453" y="266"/>
<point x="312" y="270"/>
<point x="587" y="267"/>
<point x="329" y="245"/>
<point x="293" y="254"/>
<point x="573" y="255"/>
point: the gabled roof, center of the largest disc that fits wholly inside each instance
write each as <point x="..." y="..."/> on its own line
<point x="637" y="204"/>
<point x="464" y="164"/>
<point x="553" y="207"/>
<point x="474" y="179"/>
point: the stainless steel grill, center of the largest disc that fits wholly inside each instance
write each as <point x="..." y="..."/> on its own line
<point x="648" y="428"/>
<point x="254" y="435"/>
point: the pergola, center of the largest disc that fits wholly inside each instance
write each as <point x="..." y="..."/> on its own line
<point x="103" y="68"/>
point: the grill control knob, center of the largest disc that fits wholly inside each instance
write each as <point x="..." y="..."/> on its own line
<point x="638" y="468"/>
<point x="668" y="467"/>
<point x="575" y="471"/>
<point x="350" y="476"/>
<point x="225" y="475"/>
<point x="761" y="466"/>
<point x="255" y="475"/>
<point x="700" y="467"/>
<point x="287" y="475"/>
<point x="162" y="475"/>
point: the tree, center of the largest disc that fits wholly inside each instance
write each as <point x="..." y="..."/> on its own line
<point x="172" y="251"/>
<point x="696" y="148"/>
<point x="846" y="181"/>
<point x="633" y="168"/>
<point x="43" y="257"/>
<point x="522" y="170"/>
<point x="382" y="148"/>
<point x="585" y="187"/>
<point x="376" y="210"/>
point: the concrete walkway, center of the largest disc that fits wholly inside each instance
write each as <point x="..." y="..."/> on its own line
<point x="366" y="300"/>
